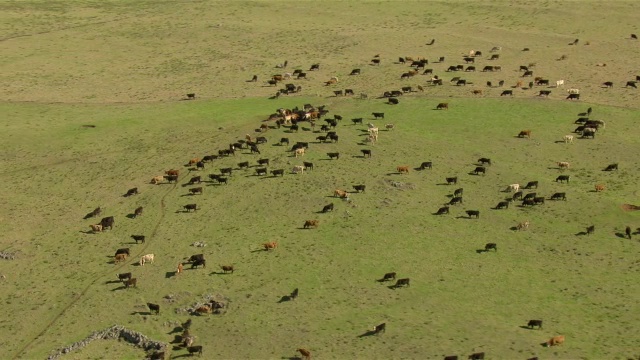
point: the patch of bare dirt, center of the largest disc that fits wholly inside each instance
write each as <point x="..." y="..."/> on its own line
<point x="629" y="207"/>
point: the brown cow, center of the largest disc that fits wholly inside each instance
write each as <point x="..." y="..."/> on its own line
<point x="180" y="268"/>
<point x="340" y="193"/>
<point x="403" y="169"/>
<point x="524" y="133"/>
<point x="204" y="309"/>
<point x="306" y="354"/>
<point x="227" y="268"/>
<point x="270" y="245"/>
<point x="131" y="282"/>
<point x="600" y="187"/>
<point x="194" y="161"/>
<point x="311" y="223"/>
<point x="556" y="340"/>
<point x="443" y="106"/>
<point x="172" y="172"/>
<point x="120" y="258"/>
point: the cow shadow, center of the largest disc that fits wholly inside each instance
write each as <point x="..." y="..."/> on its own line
<point x="170" y="274"/>
<point x="559" y="141"/>
<point x="358" y="156"/>
<point x="141" y="313"/>
<point x="113" y="282"/>
<point x="291" y="358"/>
<point x="285" y="298"/>
<point x="258" y="250"/>
<point x="87" y="232"/>
<point x="119" y="288"/>
<point x="513" y="228"/>
<point x="621" y="235"/>
<point x="179" y="356"/>
<point x="131" y="216"/>
<point x="442" y="183"/>
<point x="480" y="251"/>
<point x="463" y="217"/>
<point x="367" y="333"/>
<point x="581" y="233"/>
<point x="526" y="328"/>
<point x="393" y="173"/>
<point x="189" y="194"/>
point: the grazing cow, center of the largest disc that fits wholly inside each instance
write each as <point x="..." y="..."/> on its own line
<point x="542" y="82"/>
<point x="337" y="92"/>
<point x="563" y="178"/>
<point x="270" y="245"/>
<point x="261" y="140"/>
<point x="477" y="356"/>
<point x="559" y="196"/>
<point x="254" y="148"/>
<point x="107" y="222"/>
<point x="137" y="238"/>
<point x="356" y="121"/>
<point x="568" y="139"/>
<point x="524" y="133"/>
<point x="366" y="152"/>
<point x="298" y="169"/>
<point x="355" y="72"/>
<point x="198" y="262"/>
<point x="306" y="354"/>
<point x="311" y="223"/>
<point x="403" y="169"/>
<point x="308" y="165"/>
<point x="171" y="178"/>
<point x="124" y="276"/>
<point x="513" y="187"/>
<point x="502" y="205"/>
<point x="530" y="196"/>
<point x="607" y="84"/>
<point x="278" y="172"/>
<point x="563" y="164"/>
<point x="227" y="268"/>
<point x="484" y="161"/>
<point x="556" y="340"/>
<point x="261" y="171"/>
<point x="146" y="258"/>
<point x="157" y="179"/>
<point x="243" y="165"/>
<point x="131" y="282"/>
<point x="124" y="251"/>
<point x="506" y="92"/>
<point x="443" y="106"/>
<point x="528" y="202"/>
<point x="523" y="225"/>
<point x="340" y="193"/>
<point x="96" y="212"/>
<point x="154" y="308"/>
<point x="544" y="93"/>
<point x="195" y="350"/>
<point x="458" y="192"/>
<point x="452" y="180"/>
<point x="133" y="191"/>
<point x="393" y="101"/>
<point x="631" y="84"/>
<point x="531" y="184"/>
<point x="224" y="171"/>
<point x="333" y="155"/>
<point x="573" y="97"/>
<point x="402" y="282"/>
<point x="195" y="257"/>
<point x="389" y="276"/>
<point x="137" y="212"/>
<point x="486" y="68"/>
<point x="526" y="72"/>
<point x="190" y="207"/>
<point x="379" y="328"/>
<point x="600" y="187"/>
<point x="456" y="200"/>
<point x="426" y="165"/>
<point x="461" y="82"/>
<point x="119" y="258"/>
<point x="96" y="228"/>
<point x="586" y="132"/>
<point x="195" y="180"/>
<point x="200" y="165"/>
<point x="538" y="200"/>
<point x="476" y="92"/>
<point x="480" y="169"/>
<point x="284" y="140"/>
<point x="472" y="213"/>
<point x="559" y="83"/>
<point x="327" y="208"/>
<point x="443" y="210"/>
<point x="611" y="167"/>
<point x="534" y="323"/>
<point x="377" y="115"/>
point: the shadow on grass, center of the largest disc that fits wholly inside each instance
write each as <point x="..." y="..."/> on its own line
<point x="527" y="328"/>
<point x="285" y="298"/>
<point x="131" y="216"/>
<point x="581" y="233"/>
<point x="368" y="333"/>
<point x="87" y="232"/>
<point x="170" y="274"/>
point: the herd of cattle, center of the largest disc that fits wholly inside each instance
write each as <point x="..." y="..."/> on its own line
<point x="291" y="119"/>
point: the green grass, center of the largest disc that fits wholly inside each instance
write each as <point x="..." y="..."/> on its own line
<point x="55" y="171"/>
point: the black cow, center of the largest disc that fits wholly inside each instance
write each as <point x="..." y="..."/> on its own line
<point x="562" y="178"/>
<point x="489" y="84"/>
<point x="507" y="92"/>
<point x="531" y="184"/>
<point x="539" y="200"/>
<point x="333" y="137"/>
<point x="479" y="355"/>
<point x="462" y="82"/>
<point x="154" y="308"/>
<point x="502" y="205"/>
<point x="532" y="323"/>
<point x="393" y="101"/>
<point x="327" y="208"/>
<point x="559" y="196"/>
<point x="484" y="161"/>
<point x="455" y="200"/>
<point x="294" y="294"/>
<point x="261" y="140"/>
<point x="123" y="251"/>
<point x="359" y="188"/>
<point x="355" y="72"/>
<point x="96" y="212"/>
<point x="517" y="195"/>
<point x="469" y="60"/>
<point x="278" y="172"/>
<point x="407" y="89"/>
<point x="137" y="212"/>
<point x="107" y="222"/>
<point x="380" y="328"/>
<point x="138" y="238"/>
<point x="377" y="115"/>
<point x="348" y="91"/>
<point x="356" y="121"/>
<point x="501" y="84"/>
<point x="591" y="229"/>
<point x="627" y="231"/>
<point x="470" y="68"/>
<point x="216" y="176"/>
<point x="527" y="72"/>
<point x="491" y="246"/>
<point x="314" y="67"/>
<point x="607" y="84"/>
<point x="480" y="169"/>
<point x="171" y="178"/>
<point x="573" y="97"/>
<point x="196" y="190"/>
<point x="528" y="202"/>
<point x="228" y="171"/>
<point x="631" y="84"/>
<point x="544" y="93"/>
<point x="124" y="276"/>
<point x="200" y="165"/>
<point x="366" y="152"/>
<point x="542" y="82"/>
<point x="472" y="213"/>
<point x="452" y="180"/>
<point x="611" y="167"/>
<point x="261" y="171"/>
<point x="487" y="68"/>
<point x="333" y="155"/>
<point x="199" y="262"/>
<point x="195" y="179"/>
<point x="133" y="191"/>
<point x="284" y="140"/>
<point x="337" y="92"/>
<point x="443" y="210"/>
<point x="402" y="282"/>
<point x="254" y="148"/>
<point x="243" y="165"/>
<point x="263" y="162"/>
<point x="195" y="350"/>
<point x="131" y="282"/>
<point x="529" y="196"/>
<point x="190" y="207"/>
<point x="426" y="165"/>
<point x="389" y="276"/>
<point x="195" y="257"/>
<point x="308" y="165"/>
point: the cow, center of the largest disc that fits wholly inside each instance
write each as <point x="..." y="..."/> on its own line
<point x="96" y="212"/>
<point x="534" y="323"/>
<point x="563" y="178"/>
<point x="513" y="187"/>
<point x="484" y="161"/>
<point x="284" y="140"/>
<point x="119" y="258"/>
<point x="538" y="200"/>
<point x="451" y="357"/>
<point x="190" y="207"/>
<point x="298" y="169"/>
<point x="306" y="354"/>
<point x="456" y="200"/>
<point x="531" y="184"/>
<point x="563" y="164"/>
<point x="137" y="238"/>
<point x="600" y="187"/>
<point x="366" y="152"/>
<point x="154" y="308"/>
<point x="627" y="231"/>
<point x="506" y="92"/>
<point x="228" y="171"/>
<point x="611" y="167"/>
<point x="379" y="328"/>
<point x="132" y="191"/>
<point x="472" y="213"/>
<point x="270" y="245"/>
<point x="573" y="97"/>
<point x="393" y="101"/>
<point x="559" y="196"/>
<point x="476" y="92"/>
<point x="524" y="133"/>
<point x="377" y="115"/>
<point x="124" y="276"/>
<point x="452" y="180"/>
<point x="311" y="223"/>
<point x="157" y="179"/>
<point x="442" y="106"/>
<point x="359" y="188"/>
<point x="333" y="155"/>
<point x="96" y="228"/>
<point x="443" y="210"/>
<point x="340" y="193"/>
<point x="491" y="246"/>
<point x="480" y="169"/>
<point x="517" y="195"/>
<point x="526" y="72"/>
<point x="171" y="178"/>
<point x="356" y="121"/>
<point x="355" y="72"/>
<point x="573" y="91"/>
<point x="530" y="196"/>
<point x="389" y="276"/>
<point x="146" y="258"/>
<point x="204" y="309"/>
<point x="402" y="282"/>
<point x="254" y="148"/>
<point x="261" y="171"/>
<point x="327" y="208"/>
<point x="426" y="165"/>
<point x="461" y="82"/>
<point x="631" y="84"/>
<point x="195" y="180"/>
<point x="172" y="172"/>
<point x="195" y="350"/>
<point x="107" y="222"/>
<point x="607" y="84"/>
<point x="523" y="225"/>
<point x="403" y="169"/>
<point x="278" y="172"/>
<point x="195" y="264"/>
<point x="528" y="202"/>
<point x="200" y="165"/>
<point x="556" y="340"/>
<point x="195" y="257"/>
<point x="542" y="82"/>
<point x="568" y="139"/>
<point x="131" y="282"/>
<point x="123" y="251"/>
<point x="586" y="132"/>
<point x="180" y="268"/>
<point x="502" y="205"/>
<point x="544" y="93"/>
<point x="476" y="356"/>
<point x="308" y="165"/>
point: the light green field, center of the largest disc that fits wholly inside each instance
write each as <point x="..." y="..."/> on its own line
<point x="124" y="66"/>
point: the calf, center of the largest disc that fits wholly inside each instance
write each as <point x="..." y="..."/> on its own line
<point x="607" y="84"/>
<point x="366" y="152"/>
<point x="359" y="188"/>
<point x="311" y="223"/>
<point x="452" y="180"/>
<point x="138" y="238"/>
<point x="284" y="141"/>
<point x="426" y="165"/>
<point x="131" y="282"/>
<point x="563" y="178"/>
<point x="472" y="213"/>
<point x="96" y="228"/>
<point x="556" y="340"/>
<point x="227" y="268"/>
<point x="600" y="187"/>
<point x="402" y="169"/>
<point x="443" y="210"/>
<point x="523" y="225"/>
<point x="306" y="354"/>
<point x="119" y="258"/>
<point x="393" y="101"/>
<point x="154" y="308"/>
<point x="559" y="196"/>
<point x="402" y="282"/>
<point x="442" y="106"/>
<point x="200" y="165"/>
<point x="379" y="328"/>
<point x="327" y="208"/>
<point x="196" y="190"/>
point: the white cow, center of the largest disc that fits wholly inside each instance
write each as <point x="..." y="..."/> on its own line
<point x="568" y="139"/>
<point x="146" y="258"/>
<point x="370" y="125"/>
<point x="523" y="225"/>
<point x="563" y="164"/>
<point x="573" y="91"/>
<point x="513" y="187"/>
<point x="298" y="169"/>
<point x="373" y="131"/>
<point x="300" y="152"/>
<point x="559" y="83"/>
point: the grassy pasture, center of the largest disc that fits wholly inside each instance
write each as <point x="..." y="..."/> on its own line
<point x="61" y="77"/>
